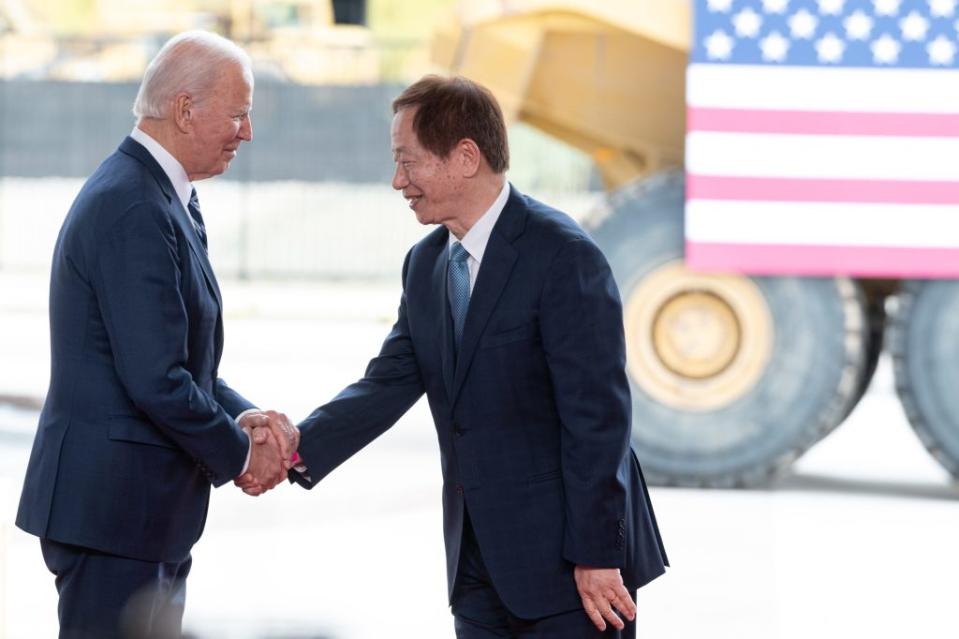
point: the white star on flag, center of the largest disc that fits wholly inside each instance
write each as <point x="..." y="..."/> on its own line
<point x="719" y="6"/>
<point x="775" y="6"/>
<point x="942" y="51"/>
<point x="830" y="7"/>
<point x="858" y="26"/>
<point x="942" y="8"/>
<point x="829" y="48"/>
<point x="747" y="23"/>
<point x="719" y="45"/>
<point x="885" y="50"/>
<point x="886" y="8"/>
<point x="774" y="47"/>
<point x="914" y="27"/>
<point x="802" y="24"/>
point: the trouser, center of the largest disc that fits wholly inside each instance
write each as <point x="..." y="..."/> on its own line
<point x="103" y="596"/>
<point x="479" y="613"/>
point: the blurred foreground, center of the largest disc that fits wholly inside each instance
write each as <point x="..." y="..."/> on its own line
<point x="860" y="541"/>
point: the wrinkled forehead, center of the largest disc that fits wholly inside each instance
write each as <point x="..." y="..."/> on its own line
<point x="234" y="87"/>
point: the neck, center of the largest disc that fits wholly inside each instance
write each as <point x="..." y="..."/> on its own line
<point x="160" y="131"/>
<point x="475" y="205"/>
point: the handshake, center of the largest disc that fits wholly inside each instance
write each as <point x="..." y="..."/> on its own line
<point x="274" y="440"/>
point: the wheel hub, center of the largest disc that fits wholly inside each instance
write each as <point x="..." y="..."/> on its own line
<point x="696" y="341"/>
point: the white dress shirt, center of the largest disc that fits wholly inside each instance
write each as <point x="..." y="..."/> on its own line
<point x="183" y="187"/>
<point x="477" y="237"/>
<point x="173" y="169"/>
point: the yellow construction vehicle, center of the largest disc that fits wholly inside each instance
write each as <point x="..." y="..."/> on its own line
<point x="735" y="372"/>
<point x="24" y="48"/>
<point x="112" y="40"/>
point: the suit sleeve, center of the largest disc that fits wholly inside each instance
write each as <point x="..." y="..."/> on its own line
<point x="366" y="409"/>
<point x="231" y="401"/>
<point x="138" y="291"/>
<point x="582" y="330"/>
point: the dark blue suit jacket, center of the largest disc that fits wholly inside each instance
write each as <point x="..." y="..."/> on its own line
<point x="136" y="425"/>
<point x="533" y="415"/>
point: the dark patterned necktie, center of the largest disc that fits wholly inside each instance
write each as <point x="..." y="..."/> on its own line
<point x="194" y="208"/>
<point x="458" y="285"/>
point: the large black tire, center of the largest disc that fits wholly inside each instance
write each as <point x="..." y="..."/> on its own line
<point x="923" y="339"/>
<point x="809" y="375"/>
<point x="875" y="306"/>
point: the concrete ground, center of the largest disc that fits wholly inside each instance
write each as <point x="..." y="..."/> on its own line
<point x="858" y="542"/>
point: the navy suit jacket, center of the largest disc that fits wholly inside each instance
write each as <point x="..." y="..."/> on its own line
<point x="136" y="425"/>
<point x="532" y="415"/>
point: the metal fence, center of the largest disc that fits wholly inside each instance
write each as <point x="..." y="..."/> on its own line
<point x="304" y="133"/>
<point x="309" y="198"/>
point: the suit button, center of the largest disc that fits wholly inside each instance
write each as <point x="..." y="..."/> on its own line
<point x="459" y="432"/>
<point x="459" y="488"/>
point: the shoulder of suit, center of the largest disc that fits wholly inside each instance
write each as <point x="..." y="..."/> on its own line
<point x="120" y="184"/>
<point x="549" y="224"/>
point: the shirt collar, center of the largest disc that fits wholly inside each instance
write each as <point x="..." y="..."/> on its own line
<point x="173" y="169"/>
<point x="477" y="237"/>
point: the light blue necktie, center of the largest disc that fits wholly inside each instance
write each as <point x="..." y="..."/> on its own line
<point x="458" y="288"/>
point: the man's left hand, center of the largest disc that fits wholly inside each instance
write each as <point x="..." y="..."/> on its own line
<point x="602" y="590"/>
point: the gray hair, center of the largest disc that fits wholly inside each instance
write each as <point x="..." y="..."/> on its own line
<point x="188" y="63"/>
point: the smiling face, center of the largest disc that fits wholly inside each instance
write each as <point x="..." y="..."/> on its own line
<point x="219" y="124"/>
<point x="432" y="185"/>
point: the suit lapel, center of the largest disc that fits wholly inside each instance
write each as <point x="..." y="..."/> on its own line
<point x="133" y="148"/>
<point x="498" y="261"/>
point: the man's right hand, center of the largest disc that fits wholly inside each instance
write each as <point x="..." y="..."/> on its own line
<point x="286" y="434"/>
<point x="267" y="467"/>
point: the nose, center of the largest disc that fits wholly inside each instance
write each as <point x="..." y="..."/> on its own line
<point x="246" y="129"/>
<point x="400" y="181"/>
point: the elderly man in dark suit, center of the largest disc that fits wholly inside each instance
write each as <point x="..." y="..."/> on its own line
<point x="137" y="423"/>
<point x="511" y="324"/>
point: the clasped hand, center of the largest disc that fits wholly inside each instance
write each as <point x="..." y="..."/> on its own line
<point x="274" y="441"/>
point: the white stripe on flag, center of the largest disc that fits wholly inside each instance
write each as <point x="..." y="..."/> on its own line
<point x="818" y="89"/>
<point x="822" y="156"/>
<point x="824" y="224"/>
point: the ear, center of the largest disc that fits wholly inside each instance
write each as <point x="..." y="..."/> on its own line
<point x="470" y="157"/>
<point x="183" y="112"/>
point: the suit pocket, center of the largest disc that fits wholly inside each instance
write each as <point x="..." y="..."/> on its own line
<point x="125" y="428"/>
<point x="508" y="336"/>
<point x="543" y="477"/>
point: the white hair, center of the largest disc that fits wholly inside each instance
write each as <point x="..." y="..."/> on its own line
<point x="190" y="63"/>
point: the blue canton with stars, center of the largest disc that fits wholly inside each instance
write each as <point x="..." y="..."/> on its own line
<point x="823" y="33"/>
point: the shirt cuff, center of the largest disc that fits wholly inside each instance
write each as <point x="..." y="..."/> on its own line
<point x="249" y="450"/>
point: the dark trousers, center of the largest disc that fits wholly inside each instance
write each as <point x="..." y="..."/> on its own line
<point x="479" y="613"/>
<point x="103" y="596"/>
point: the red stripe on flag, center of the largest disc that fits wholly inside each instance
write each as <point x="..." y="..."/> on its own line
<point x="856" y="261"/>
<point x="714" y="187"/>
<point x="936" y="125"/>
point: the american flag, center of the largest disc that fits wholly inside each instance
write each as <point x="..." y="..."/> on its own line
<point x="823" y="137"/>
